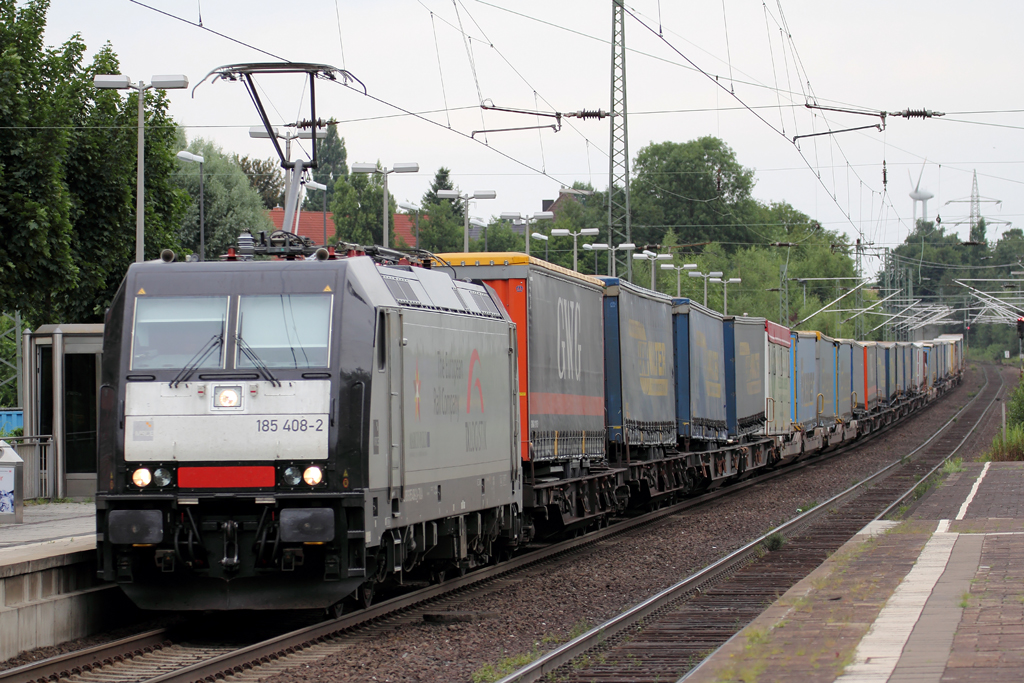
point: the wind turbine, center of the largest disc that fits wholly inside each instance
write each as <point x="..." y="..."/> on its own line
<point x="919" y="195"/>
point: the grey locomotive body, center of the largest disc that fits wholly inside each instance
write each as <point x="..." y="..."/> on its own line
<point x="286" y="434"/>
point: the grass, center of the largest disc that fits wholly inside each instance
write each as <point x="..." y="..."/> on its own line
<point x="774" y="541"/>
<point x="1010" y="450"/>
<point x="488" y="673"/>
<point x="965" y="600"/>
<point x="48" y="501"/>
<point x="953" y="465"/>
<point x="808" y="506"/>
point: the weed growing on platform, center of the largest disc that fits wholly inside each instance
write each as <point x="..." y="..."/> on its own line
<point x="807" y="506"/>
<point x="1011" y="450"/>
<point x="953" y="465"/>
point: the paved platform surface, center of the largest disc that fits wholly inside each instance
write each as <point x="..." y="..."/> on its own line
<point x="49" y="529"/>
<point x="938" y="598"/>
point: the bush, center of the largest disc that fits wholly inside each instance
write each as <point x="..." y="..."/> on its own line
<point x="1015" y="407"/>
<point x="1010" y="450"/>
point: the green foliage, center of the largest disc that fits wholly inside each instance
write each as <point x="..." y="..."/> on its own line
<point x="358" y="205"/>
<point x="1015" y="406"/>
<point x="1010" y="450"/>
<point x="67" y="167"/>
<point x="266" y="177"/>
<point x="231" y="204"/>
<point x="442" y="181"/>
<point x="37" y="102"/>
<point x="441" y="228"/>
<point x="697" y="188"/>
<point x="332" y="164"/>
<point x="953" y="465"/>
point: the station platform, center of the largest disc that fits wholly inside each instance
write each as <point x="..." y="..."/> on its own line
<point x="48" y="589"/>
<point x="936" y="598"/>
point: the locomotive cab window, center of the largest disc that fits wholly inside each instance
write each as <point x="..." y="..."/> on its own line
<point x="284" y="330"/>
<point x="170" y="332"/>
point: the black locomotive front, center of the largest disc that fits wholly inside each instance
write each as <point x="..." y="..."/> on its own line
<point x="233" y="419"/>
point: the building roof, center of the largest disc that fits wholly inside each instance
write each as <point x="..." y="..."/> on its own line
<point x="311" y="225"/>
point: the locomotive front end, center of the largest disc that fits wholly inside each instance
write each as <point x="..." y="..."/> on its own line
<point x="222" y="484"/>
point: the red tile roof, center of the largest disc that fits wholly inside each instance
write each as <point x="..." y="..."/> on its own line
<point x="311" y="225"/>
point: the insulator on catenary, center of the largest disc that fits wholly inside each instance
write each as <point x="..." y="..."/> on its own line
<point x="587" y="114"/>
<point x="918" y="113"/>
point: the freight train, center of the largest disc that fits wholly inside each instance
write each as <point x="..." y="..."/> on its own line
<point x="299" y="431"/>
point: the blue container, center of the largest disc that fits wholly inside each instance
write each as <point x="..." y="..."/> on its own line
<point x="11" y="420"/>
<point x="638" y="365"/>
<point x="701" y="382"/>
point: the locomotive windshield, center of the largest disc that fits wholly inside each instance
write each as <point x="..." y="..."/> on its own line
<point x="170" y="331"/>
<point x="285" y="330"/>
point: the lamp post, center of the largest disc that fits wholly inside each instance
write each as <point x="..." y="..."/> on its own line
<point x="292" y="208"/>
<point x="526" y="220"/>
<point x="416" y="210"/>
<point x="466" y="198"/>
<point x="562" y="232"/>
<point x="313" y="185"/>
<point x="411" y="167"/>
<point x="196" y="159"/>
<point x="625" y="246"/>
<point x="122" y="82"/>
<point x="646" y="255"/>
<point x="714" y="273"/>
<point x="678" y="269"/>
<point x="725" y="292"/>
<point x="590" y="247"/>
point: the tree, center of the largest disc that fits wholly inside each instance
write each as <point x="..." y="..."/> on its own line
<point x="231" y="205"/>
<point x="332" y="163"/>
<point x="36" y="98"/>
<point x="442" y="231"/>
<point x="697" y="188"/>
<point x="67" y="174"/>
<point x="357" y="206"/>
<point x="265" y="177"/>
<point x="442" y="181"/>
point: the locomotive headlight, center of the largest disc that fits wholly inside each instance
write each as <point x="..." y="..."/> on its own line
<point x="312" y="476"/>
<point x="162" y="476"/>
<point x="141" y="477"/>
<point x="291" y="476"/>
<point x="227" y="397"/>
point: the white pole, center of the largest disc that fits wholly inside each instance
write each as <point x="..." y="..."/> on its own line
<point x="1003" y="406"/>
<point x="140" y="201"/>
<point x="385" y="212"/>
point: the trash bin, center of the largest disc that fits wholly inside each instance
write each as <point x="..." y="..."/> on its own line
<point x="12" y="492"/>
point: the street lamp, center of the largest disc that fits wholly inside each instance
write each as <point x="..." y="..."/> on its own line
<point x="678" y="269"/>
<point x="526" y="220"/>
<point x="714" y="273"/>
<point x="313" y="185"/>
<point x="292" y="209"/>
<point x="725" y="292"/>
<point x="477" y="194"/>
<point x="625" y="246"/>
<point x="646" y="255"/>
<point x="415" y="209"/>
<point x="196" y="159"/>
<point x="562" y="232"/>
<point x="539" y="236"/>
<point x="411" y="167"/>
<point x="122" y="82"/>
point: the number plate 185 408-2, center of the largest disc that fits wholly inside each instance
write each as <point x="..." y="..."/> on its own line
<point x="290" y="424"/>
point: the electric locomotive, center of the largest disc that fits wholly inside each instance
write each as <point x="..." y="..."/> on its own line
<point x="292" y="433"/>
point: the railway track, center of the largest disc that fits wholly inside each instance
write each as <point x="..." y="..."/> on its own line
<point x="672" y="632"/>
<point x="159" y="656"/>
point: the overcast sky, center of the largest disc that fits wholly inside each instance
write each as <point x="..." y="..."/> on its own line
<point x="955" y="57"/>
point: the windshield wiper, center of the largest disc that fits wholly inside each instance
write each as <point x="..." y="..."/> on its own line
<point x="197" y="360"/>
<point x="256" y="360"/>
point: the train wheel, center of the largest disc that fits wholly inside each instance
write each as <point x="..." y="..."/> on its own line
<point x="364" y="595"/>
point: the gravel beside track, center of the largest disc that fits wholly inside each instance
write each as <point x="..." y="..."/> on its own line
<point x="537" y="613"/>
